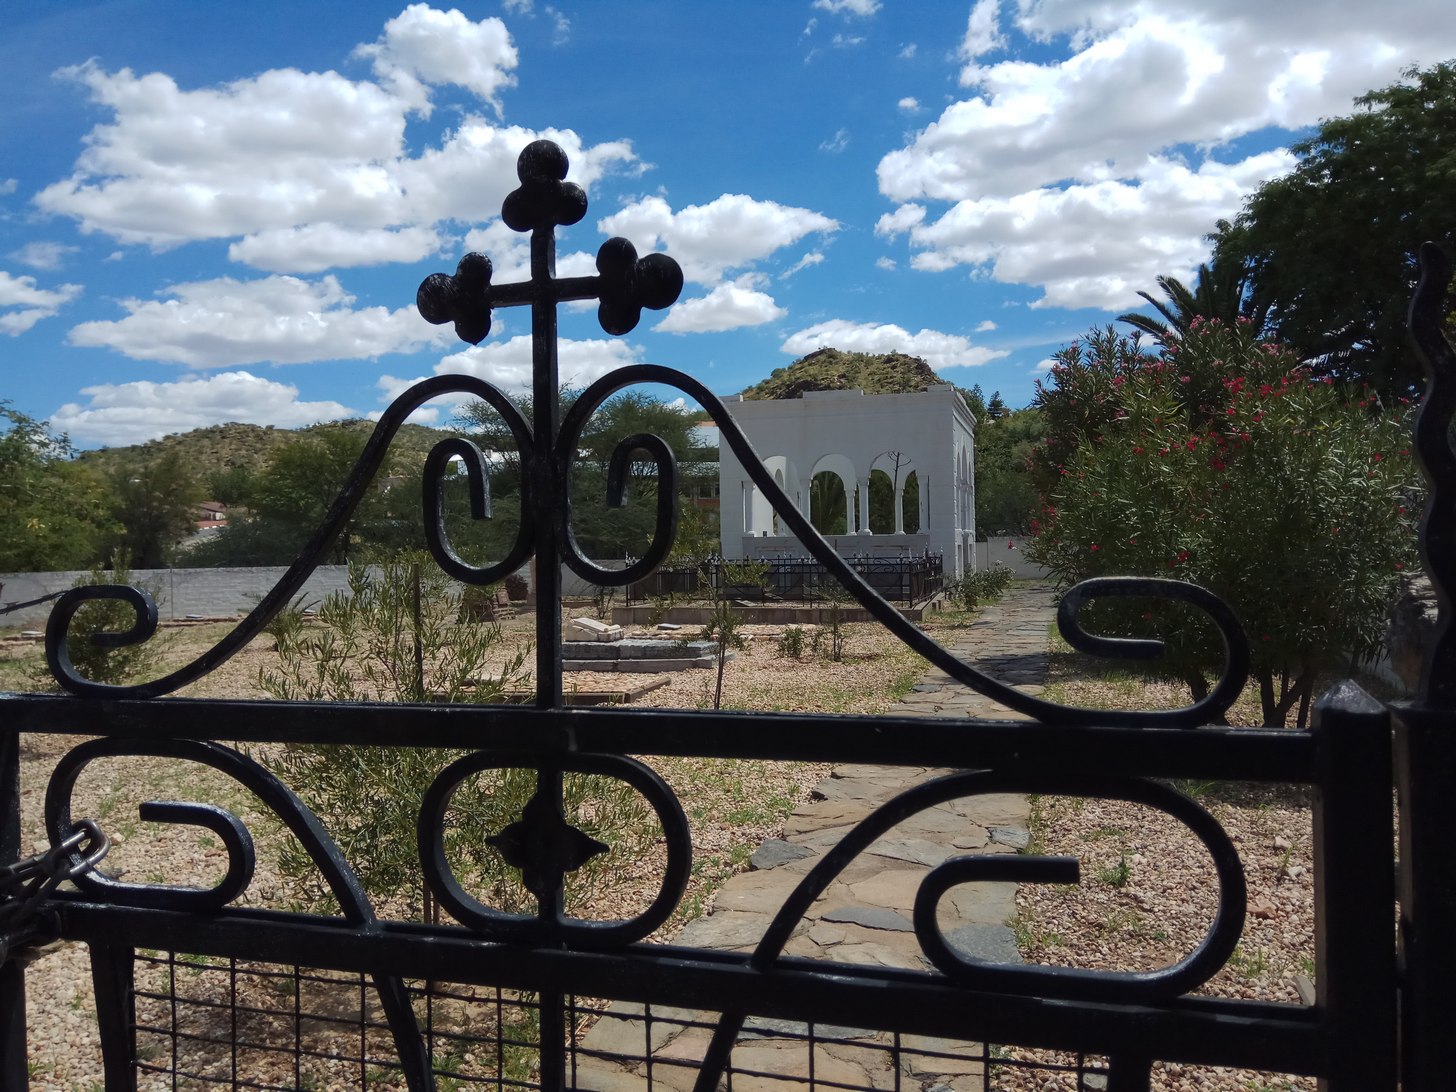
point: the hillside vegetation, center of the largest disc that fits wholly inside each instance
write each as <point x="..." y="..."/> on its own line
<point x="217" y="448"/>
<point x="836" y="370"/>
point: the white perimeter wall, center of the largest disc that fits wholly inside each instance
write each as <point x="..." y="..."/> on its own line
<point x="206" y="592"/>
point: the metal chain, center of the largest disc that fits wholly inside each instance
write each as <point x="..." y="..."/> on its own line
<point x="25" y="884"/>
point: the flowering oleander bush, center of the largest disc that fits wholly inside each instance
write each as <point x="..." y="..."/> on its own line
<point x="1220" y="461"/>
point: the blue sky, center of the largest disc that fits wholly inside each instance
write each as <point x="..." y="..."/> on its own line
<point x="214" y="212"/>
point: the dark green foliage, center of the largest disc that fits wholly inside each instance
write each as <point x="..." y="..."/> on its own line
<point x="53" y="511"/>
<point x="155" y="503"/>
<point x="883" y="482"/>
<point x="791" y="643"/>
<point x="1331" y="247"/>
<point x="1006" y="494"/>
<point x="603" y="532"/>
<point x="1222" y="462"/>
<point x="828" y="505"/>
<point x="288" y="499"/>
<point x="1220" y="292"/>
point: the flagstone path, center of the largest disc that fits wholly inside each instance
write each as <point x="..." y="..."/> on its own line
<point x="864" y="917"/>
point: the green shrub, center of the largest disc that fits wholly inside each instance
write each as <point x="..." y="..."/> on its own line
<point x="98" y="663"/>
<point x="1223" y="462"/>
<point x="981" y="586"/>
<point x="791" y="643"/>
<point x="395" y="636"/>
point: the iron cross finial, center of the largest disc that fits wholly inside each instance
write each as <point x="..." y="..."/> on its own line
<point x="624" y="283"/>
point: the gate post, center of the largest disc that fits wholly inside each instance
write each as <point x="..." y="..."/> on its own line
<point x="1425" y="778"/>
<point x="1354" y="945"/>
<point x="14" y="1073"/>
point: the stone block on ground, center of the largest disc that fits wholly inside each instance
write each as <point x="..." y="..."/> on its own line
<point x="589" y="629"/>
<point x="774" y="852"/>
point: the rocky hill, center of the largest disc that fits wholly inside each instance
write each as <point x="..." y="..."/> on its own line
<point x="835" y="370"/>
<point x="235" y="446"/>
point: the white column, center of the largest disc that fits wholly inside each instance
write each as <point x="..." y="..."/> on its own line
<point x="900" y="509"/>
<point x="863" y="520"/>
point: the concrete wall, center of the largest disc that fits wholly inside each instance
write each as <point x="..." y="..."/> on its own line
<point x="206" y="592"/>
<point x="1001" y="552"/>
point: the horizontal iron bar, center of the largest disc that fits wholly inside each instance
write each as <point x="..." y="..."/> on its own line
<point x="1244" y="1034"/>
<point x="522" y="293"/>
<point x="1244" y="754"/>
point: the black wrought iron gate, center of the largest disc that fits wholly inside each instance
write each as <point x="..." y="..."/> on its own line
<point x="1379" y="1017"/>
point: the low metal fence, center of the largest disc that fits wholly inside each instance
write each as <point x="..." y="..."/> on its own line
<point x="907" y="580"/>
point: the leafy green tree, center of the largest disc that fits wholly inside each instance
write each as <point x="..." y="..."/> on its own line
<point x="601" y="531"/>
<point x="1007" y="499"/>
<point x="828" y="504"/>
<point x="289" y="498"/>
<point x="1223" y="462"/>
<point x="232" y="486"/>
<point x="1220" y="292"/>
<point x="53" y="511"/>
<point x="1331" y="247"/>
<point x="155" y="503"/>
<point x="975" y="400"/>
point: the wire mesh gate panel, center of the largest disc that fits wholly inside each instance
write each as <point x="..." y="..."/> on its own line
<point x="194" y="990"/>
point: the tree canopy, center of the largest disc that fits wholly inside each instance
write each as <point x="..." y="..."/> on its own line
<point x="602" y="532"/>
<point x="1331" y="247"/>
<point x="155" y="503"/>
<point x="53" y="511"/>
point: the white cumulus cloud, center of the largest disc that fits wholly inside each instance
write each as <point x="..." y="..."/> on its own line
<point x="1140" y="94"/>
<point x="131" y="413"/>
<point x="727" y="307"/>
<point x="730" y="232"/>
<point x="507" y="364"/>
<point x="314" y="248"/>
<point x="43" y="255"/>
<point x="303" y="168"/>
<point x="23" y="303"/>
<point x="849" y="7"/>
<point x="939" y="350"/>
<point x="982" y="30"/>
<point x="1094" y="245"/>
<point x="282" y="320"/>
<point x="421" y="47"/>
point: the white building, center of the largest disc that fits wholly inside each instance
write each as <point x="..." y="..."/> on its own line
<point x="929" y="436"/>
